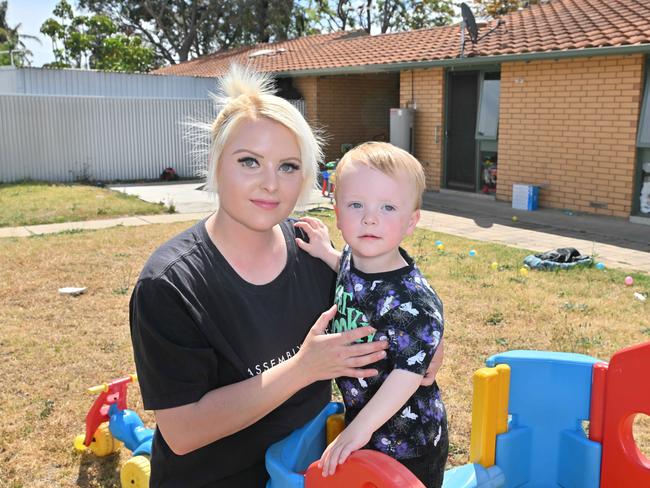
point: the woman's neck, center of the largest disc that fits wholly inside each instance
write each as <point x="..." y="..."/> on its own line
<point x="257" y="256"/>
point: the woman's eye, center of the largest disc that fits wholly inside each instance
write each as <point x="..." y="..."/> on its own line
<point x="289" y="168"/>
<point x="248" y="162"/>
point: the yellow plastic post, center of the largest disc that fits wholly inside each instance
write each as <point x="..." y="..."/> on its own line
<point x="484" y="412"/>
<point x="335" y="425"/>
<point x="503" y="371"/>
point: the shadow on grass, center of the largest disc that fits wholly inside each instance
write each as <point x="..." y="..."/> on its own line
<point x="99" y="471"/>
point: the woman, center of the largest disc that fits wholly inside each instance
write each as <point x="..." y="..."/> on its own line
<point x="220" y="313"/>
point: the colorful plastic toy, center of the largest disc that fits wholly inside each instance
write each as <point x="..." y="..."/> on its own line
<point x="529" y="413"/>
<point x="109" y="424"/>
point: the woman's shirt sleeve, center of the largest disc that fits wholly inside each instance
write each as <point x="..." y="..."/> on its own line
<point x="175" y="363"/>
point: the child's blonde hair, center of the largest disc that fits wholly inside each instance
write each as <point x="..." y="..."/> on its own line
<point x="389" y="160"/>
<point x="243" y="94"/>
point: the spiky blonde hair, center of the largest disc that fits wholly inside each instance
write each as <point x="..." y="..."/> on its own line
<point x="244" y="94"/>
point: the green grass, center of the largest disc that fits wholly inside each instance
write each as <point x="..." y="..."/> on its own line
<point x="31" y="203"/>
<point x="54" y="347"/>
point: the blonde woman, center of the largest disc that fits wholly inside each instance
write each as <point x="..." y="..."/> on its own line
<point x="228" y="318"/>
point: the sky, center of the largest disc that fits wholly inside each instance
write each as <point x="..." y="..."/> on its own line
<point x="31" y="14"/>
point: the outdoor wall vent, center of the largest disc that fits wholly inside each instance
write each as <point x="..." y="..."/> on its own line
<point x="266" y="52"/>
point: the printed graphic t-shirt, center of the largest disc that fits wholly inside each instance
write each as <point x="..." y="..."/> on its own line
<point x="407" y="313"/>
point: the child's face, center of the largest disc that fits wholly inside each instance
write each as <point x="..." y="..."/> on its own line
<point x="375" y="212"/>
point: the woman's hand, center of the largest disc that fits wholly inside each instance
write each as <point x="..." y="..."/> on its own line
<point x="353" y="438"/>
<point x="326" y="356"/>
<point x="434" y="365"/>
<point x="319" y="245"/>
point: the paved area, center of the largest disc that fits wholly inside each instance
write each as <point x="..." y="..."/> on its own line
<point x="616" y="242"/>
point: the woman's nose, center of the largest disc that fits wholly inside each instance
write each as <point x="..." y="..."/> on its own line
<point x="270" y="180"/>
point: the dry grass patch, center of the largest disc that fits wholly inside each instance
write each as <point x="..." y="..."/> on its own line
<point x="31" y="203"/>
<point x="53" y="347"/>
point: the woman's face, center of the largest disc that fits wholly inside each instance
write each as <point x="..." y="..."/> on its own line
<point x="260" y="174"/>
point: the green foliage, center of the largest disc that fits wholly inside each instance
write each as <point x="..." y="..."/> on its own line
<point x="497" y="8"/>
<point x="95" y="41"/>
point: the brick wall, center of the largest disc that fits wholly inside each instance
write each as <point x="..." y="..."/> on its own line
<point x="308" y="87"/>
<point x="570" y="126"/>
<point x="425" y="88"/>
<point x="354" y="109"/>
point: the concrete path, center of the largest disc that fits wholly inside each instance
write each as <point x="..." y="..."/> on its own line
<point x="616" y="242"/>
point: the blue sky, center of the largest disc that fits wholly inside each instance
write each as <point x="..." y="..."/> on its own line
<point x="31" y="14"/>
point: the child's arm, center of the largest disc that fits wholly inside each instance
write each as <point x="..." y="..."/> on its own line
<point x="319" y="245"/>
<point x="399" y="386"/>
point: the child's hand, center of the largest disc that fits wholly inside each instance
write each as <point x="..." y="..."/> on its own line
<point x="351" y="439"/>
<point x="319" y="245"/>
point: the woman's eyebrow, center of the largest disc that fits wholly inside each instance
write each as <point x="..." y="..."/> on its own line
<point x="244" y="150"/>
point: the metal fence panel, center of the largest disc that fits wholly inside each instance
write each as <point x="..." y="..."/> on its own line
<point x="55" y="138"/>
<point x="72" y="138"/>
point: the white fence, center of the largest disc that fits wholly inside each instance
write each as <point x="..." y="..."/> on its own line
<point x="56" y="138"/>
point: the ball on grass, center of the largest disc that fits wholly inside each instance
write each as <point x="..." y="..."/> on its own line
<point x="494" y="265"/>
<point x="472" y="252"/>
<point x="600" y="266"/>
<point x="440" y="247"/>
<point x="523" y="271"/>
<point x="438" y="243"/>
<point x="629" y="281"/>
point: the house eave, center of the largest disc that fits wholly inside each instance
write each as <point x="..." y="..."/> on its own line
<point x="466" y="62"/>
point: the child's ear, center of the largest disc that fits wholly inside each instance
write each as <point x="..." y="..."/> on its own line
<point x="336" y="212"/>
<point x="413" y="221"/>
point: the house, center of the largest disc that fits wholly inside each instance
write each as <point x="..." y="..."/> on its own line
<point x="556" y="96"/>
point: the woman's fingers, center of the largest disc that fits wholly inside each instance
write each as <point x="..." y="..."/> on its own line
<point x="320" y="325"/>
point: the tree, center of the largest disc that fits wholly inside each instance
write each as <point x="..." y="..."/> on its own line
<point x="181" y="29"/>
<point x="383" y="15"/>
<point x="497" y="8"/>
<point x="93" y="41"/>
<point x="12" y="41"/>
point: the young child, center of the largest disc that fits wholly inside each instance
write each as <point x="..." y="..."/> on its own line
<point x="378" y="197"/>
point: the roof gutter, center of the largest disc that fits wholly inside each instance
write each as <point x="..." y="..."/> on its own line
<point x="464" y="63"/>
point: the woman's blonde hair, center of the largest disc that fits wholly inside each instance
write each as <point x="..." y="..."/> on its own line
<point x="389" y="160"/>
<point x="244" y="94"/>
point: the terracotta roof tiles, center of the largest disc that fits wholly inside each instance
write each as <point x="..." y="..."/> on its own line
<point x="558" y="25"/>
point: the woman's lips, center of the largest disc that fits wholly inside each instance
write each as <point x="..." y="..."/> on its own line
<point x="265" y="204"/>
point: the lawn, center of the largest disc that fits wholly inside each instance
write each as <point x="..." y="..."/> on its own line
<point x="53" y="347"/>
<point x="30" y="203"/>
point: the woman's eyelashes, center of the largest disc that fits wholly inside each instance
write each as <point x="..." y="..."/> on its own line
<point x="248" y="162"/>
<point x="289" y="167"/>
<point x="251" y="162"/>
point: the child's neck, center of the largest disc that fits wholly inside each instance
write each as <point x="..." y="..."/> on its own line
<point x="379" y="264"/>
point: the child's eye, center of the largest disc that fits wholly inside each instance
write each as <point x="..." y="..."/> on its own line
<point x="355" y="205"/>
<point x="289" y="168"/>
<point x="248" y="162"/>
<point x="389" y="208"/>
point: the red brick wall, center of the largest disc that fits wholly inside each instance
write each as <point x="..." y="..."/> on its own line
<point x="570" y="126"/>
<point x="425" y="88"/>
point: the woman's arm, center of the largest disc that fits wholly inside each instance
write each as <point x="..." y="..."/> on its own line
<point x="399" y="386"/>
<point x="229" y="409"/>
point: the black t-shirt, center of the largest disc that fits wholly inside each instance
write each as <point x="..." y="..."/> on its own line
<point x="197" y="325"/>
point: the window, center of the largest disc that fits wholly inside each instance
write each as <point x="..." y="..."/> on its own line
<point x="644" y="122"/>
<point x="488" y="113"/>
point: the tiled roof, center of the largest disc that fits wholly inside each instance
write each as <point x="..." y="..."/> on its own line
<point x="558" y="25"/>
